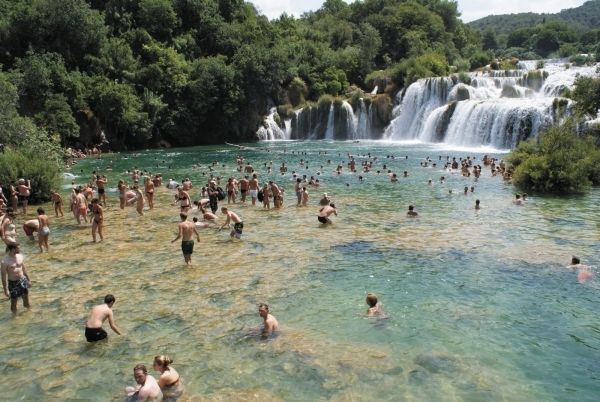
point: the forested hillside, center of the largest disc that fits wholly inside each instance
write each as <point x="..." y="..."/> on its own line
<point x="586" y="16"/>
<point x="190" y="72"/>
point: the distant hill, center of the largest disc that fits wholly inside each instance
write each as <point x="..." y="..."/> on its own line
<point x="585" y="16"/>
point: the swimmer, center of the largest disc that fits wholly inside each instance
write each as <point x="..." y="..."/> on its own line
<point x="15" y="279"/>
<point x="584" y="272"/>
<point x="186" y="232"/>
<point x="477" y="204"/>
<point x="100" y="313"/>
<point x="200" y="225"/>
<point x="325" y="212"/>
<point x="169" y="380"/>
<point x="208" y="216"/>
<point x="147" y="388"/>
<point x="271" y="326"/>
<point x="44" y="230"/>
<point x="375" y="308"/>
<point x="411" y="212"/>
<point x="304" y="197"/>
<point x="238" y="225"/>
<point x="518" y="201"/>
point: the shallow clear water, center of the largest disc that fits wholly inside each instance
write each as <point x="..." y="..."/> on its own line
<point x="481" y="305"/>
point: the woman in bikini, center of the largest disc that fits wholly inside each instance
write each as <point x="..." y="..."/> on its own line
<point x="98" y="220"/>
<point x="149" y="188"/>
<point x="184" y="200"/>
<point x="169" y="381"/>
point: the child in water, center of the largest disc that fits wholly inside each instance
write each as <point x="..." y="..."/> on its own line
<point x="375" y="308"/>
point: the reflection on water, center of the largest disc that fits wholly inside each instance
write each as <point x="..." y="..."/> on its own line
<point x="481" y="306"/>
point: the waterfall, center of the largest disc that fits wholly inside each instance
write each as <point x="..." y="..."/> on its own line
<point x="363" y="122"/>
<point x="330" y="125"/>
<point x="270" y="130"/>
<point x="495" y="108"/>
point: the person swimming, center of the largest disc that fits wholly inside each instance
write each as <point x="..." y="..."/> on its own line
<point x="375" y="308"/>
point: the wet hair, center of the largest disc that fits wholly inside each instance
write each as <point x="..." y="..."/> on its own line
<point x="141" y="368"/>
<point x="163" y="361"/>
<point x="263" y="305"/>
<point x="41" y="211"/>
<point x="12" y="246"/>
<point x="575" y="260"/>
<point x="94" y="200"/>
<point x="109" y="299"/>
<point x="371" y="299"/>
<point x="477" y="201"/>
<point x="195" y="219"/>
<point x="410" y="207"/>
<point x="183" y="216"/>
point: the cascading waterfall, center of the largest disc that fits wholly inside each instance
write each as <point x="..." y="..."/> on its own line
<point x="271" y="130"/>
<point x="496" y="108"/>
<point x="491" y="108"/>
<point x="330" y="124"/>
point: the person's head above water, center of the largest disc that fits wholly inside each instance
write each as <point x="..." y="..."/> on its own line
<point x="263" y="310"/>
<point x="371" y="299"/>
<point x="183" y="216"/>
<point x="109" y="299"/>
<point x="575" y="260"/>
<point x="140" y="372"/>
<point x="162" y="362"/>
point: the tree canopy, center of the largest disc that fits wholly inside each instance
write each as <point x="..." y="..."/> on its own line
<point x="206" y="71"/>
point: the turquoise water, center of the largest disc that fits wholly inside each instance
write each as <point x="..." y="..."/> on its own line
<point x="480" y="304"/>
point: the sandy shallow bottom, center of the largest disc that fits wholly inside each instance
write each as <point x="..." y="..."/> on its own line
<point x="480" y="305"/>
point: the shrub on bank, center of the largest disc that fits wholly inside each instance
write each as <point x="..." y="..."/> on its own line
<point x="560" y="162"/>
<point x="42" y="172"/>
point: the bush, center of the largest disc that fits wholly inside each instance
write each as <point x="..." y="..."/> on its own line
<point x="560" y="163"/>
<point x="42" y="172"/>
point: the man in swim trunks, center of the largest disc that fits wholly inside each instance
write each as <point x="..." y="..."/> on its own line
<point x="186" y="231"/>
<point x="213" y="196"/>
<point x="13" y="269"/>
<point x="100" y="313"/>
<point x="80" y="206"/>
<point x="325" y="212"/>
<point x="30" y="227"/>
<point x="270" y="323"/>
<point x="298" y="190"/>
<point x="253" y="187"/>
<point x="244" y="184"/>
<point x="24" y="193"/>
<point x="100" y="184"/>
<point x="238" y="225"/>
<point x="44" y="230"/>
<point x="57" y="202"/>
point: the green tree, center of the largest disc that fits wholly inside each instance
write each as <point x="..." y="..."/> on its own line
<point x="489" y="40"/>
<point x="587" y="96"/>
<point x="158" y="17"/>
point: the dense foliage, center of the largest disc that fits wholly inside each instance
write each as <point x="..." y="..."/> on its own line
<point x="586" y="16"/>
<point x="559" y="162"/>
<point x="533" y="36"/>
<point x="139" y="72"/>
